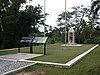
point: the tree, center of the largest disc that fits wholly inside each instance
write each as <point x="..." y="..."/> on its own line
<point x="95" y="7"/>
<point x="17" y="23"/>
<point x="61" y="19"/>
<point x="54" y="35"/>
<point x="76" y="18"/>
<point x="9" y="18"/>
<point x="3" y="6"/>
<point x="32" y="18"/>
<point x="79" y="21"/>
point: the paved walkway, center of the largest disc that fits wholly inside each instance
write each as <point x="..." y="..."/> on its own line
<point x="10" y="63"/>
<point x="19" y="56"/>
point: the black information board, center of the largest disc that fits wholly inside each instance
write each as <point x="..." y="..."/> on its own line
<point x="34" y="40"/>
<point x="27" y="39"/>
<point x="40" y="40"/>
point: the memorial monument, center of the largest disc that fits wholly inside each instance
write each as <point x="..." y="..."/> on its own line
<point x="71" y="36"/>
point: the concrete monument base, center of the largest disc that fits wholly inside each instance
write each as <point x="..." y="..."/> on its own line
<point x="71" y="44"/>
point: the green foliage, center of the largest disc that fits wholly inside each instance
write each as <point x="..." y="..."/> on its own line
<point x="95" y="7"/>
<point x="35" y="17"/>
<point x="16" y="23"/>
<point x="8" y="37"/>
<point x="55" y="36"/>
<point x="96" y="40"/>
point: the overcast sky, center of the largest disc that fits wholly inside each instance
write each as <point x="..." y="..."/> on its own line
<point x="55" y="7"/>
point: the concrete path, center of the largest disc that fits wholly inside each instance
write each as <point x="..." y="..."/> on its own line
<point x="10" y="63"/>
<point x="19" y="56"/>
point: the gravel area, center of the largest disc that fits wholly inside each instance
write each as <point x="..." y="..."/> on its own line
<point x="6" y="66"/>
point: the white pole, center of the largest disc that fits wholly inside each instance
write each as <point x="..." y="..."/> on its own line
<point x="65" y="23"/>
<point x="44" y="15"/>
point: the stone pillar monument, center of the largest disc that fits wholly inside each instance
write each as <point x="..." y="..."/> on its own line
<point x="71" y="36"/>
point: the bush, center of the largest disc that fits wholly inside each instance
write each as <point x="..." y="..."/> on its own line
<point x="96" y="40"/>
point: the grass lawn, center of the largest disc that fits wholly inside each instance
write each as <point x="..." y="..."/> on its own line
<point x="8" y="52"/>
<point x="57" y="53"/>
<point x="90" y="65"/>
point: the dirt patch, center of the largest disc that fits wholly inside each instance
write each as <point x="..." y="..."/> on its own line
<point x="32" y="73"/>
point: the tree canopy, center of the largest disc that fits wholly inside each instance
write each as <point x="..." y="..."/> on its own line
<point x="16" y="23"/>
<point x="95" y="7"/>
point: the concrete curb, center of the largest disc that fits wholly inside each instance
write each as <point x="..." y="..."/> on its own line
<point x="45" y="63"/>
<point x="76" y="59"/>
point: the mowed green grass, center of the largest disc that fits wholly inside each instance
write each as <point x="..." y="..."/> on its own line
<point x="5" y="52"/>
<point x="89" y="65"/>
<point x="59" y="54"/>
<point x="54" y="52"/>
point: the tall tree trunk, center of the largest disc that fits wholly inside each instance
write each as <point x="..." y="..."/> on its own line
<point x="1" y="25"/>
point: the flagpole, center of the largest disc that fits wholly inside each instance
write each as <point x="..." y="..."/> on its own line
<point x="65" y="24"/>
<point x="44" y="15"/>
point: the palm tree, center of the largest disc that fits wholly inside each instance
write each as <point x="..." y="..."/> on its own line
<point x="95" y="7"/>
